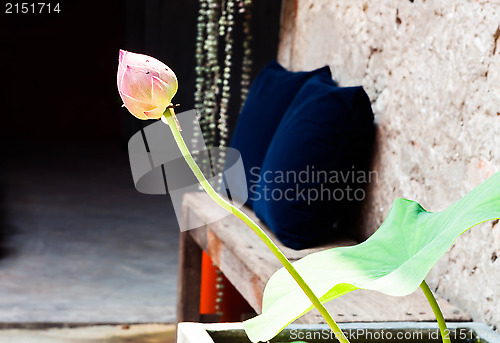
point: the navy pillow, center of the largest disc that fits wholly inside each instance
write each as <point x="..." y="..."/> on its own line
<point x="306" y="185"/>
<point x="268" y="99"/>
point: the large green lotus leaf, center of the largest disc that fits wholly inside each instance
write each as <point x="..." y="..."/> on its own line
<point x="394" y="260"/>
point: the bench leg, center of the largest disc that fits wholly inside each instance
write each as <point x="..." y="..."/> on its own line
<point x="188" y="284"/>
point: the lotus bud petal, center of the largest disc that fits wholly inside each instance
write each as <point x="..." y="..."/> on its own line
<point x="145" y="84"/>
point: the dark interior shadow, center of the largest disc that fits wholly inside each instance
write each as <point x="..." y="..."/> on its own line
<point x="6" y="230"/>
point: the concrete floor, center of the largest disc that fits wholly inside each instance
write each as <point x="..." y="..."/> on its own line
<point x="143" y="333"/>
<point x="80" y="244"/>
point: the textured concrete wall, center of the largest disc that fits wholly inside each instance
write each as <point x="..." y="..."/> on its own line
<point x="432" y="71"/>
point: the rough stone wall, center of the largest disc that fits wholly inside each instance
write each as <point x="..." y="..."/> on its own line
<point x="432" y="71"/>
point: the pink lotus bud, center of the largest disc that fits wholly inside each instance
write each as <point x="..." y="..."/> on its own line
<point x="145" y="84"/>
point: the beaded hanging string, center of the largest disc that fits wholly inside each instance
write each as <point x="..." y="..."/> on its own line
<point x="213" y="90"/>
<point x="201" y="69"/>
<point x="207" y="77"/>
<point x="210" y="102"/>
<point x="216" y="19"/>
<point x="226" y="25"/>
<point x="245" y="7"/>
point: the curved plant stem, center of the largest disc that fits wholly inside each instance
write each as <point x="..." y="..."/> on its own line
<point x="445" y="333"/>
<point x="170" y="116"/>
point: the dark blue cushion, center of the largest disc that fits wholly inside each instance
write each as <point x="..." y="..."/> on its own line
<point x="323" y="140"/>
<point x="268" y="99"/>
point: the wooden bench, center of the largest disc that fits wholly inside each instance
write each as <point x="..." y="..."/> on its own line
<point x="248" y="265"/>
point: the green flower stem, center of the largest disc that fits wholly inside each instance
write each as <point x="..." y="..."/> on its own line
<point x="169" y="115"/>
<point x="445" y="333"/>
